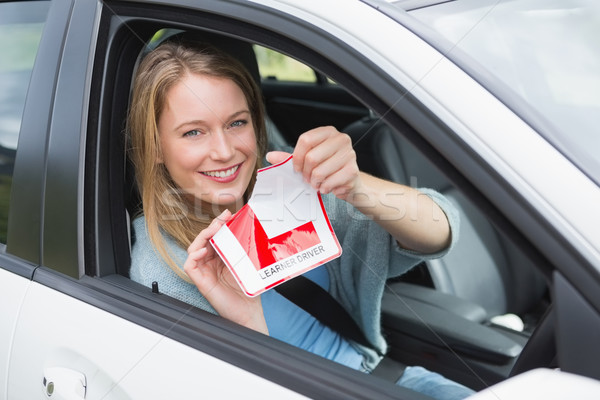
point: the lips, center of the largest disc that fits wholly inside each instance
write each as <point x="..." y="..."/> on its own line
<point x="223" y="175"/>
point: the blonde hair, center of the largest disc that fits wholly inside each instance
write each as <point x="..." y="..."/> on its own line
<point x="162" y="201"/>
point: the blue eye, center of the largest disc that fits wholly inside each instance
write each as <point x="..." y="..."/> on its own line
<point x="192" y="133"/>
<point x="238" y="123"/>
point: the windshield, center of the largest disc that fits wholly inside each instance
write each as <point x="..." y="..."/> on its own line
<point x="545" y="51"/>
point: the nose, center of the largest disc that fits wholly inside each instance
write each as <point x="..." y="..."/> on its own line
<point x="221" y="146"/>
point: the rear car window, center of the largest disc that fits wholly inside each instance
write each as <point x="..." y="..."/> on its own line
<point x="21" y="25"/>
<point x="273" y="65"/>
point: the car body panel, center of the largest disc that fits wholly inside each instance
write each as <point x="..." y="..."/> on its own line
<point x="545" y="54"/>
<point x="120" y="359"/>
<point x="13" y="288"/>
<point x="542" y="384"/>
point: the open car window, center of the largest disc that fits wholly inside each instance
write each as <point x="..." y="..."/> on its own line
<point x="501" y="308"/>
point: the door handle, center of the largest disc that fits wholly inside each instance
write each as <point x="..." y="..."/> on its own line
<point x="64" y="384"/>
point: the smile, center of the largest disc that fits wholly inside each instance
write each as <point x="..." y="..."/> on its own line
<point x="222" y="173"/>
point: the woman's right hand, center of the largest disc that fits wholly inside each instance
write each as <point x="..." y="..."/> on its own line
<point x="216" y="283"/>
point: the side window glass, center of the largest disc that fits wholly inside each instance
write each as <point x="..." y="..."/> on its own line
<point x="21" y="25"/>
<point x="273" y="65"/>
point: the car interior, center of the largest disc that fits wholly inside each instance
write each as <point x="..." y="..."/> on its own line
<point x="468" y="315"/>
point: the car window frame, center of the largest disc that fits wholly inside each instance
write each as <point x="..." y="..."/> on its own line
<point x="195" y="328"/>
<point x="427" y="122"/>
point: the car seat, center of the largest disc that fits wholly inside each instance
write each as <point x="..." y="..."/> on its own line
<point x="484" y="267"/>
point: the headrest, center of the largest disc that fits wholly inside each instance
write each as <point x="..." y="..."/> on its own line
<point x="238" y="49"/>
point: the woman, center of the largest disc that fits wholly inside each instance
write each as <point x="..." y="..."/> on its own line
<point x="198" y="137"/>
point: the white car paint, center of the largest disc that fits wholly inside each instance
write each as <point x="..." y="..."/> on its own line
<point x="119" y="359"/>
<point x="13" y="289"/>
<point x="542" y="383"/>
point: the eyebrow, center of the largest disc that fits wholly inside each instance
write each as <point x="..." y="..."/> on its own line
<point x="199" y="121"/>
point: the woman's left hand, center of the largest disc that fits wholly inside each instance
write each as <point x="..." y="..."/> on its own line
<point x="327" y="161"/>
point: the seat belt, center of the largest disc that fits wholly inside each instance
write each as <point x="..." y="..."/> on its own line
<point x="389" y="369"/>
<point x="317" y="301"/>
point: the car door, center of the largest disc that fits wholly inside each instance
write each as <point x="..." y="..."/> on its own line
<point x="79" y="328"/>
<point x="64" y="346"/>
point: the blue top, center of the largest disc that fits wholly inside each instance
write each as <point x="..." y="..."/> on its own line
<point x="356" y="280"/>
<point x="291" y="324"/>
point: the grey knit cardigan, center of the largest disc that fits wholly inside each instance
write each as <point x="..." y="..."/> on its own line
<point x="357" y="278"/>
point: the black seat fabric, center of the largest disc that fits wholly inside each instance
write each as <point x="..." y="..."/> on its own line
<point x="484" y="267"/>
<point x="240" y="50"/>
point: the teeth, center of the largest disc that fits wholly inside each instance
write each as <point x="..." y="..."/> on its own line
<point x="222" y="174"/>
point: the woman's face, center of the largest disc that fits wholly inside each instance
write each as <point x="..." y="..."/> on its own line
<point x="208" y="140"/>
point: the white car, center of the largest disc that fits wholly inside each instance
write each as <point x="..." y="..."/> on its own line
<point x="494" y="103"/>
